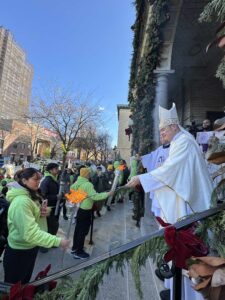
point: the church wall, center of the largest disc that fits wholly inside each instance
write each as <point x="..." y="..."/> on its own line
<point x="124" y="145"/>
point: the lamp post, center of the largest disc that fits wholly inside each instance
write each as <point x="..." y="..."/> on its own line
<point x="115" y="152"/>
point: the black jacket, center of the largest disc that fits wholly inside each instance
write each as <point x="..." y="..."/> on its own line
<point x="50" y="189"/>
<point x="101" y="183"/>
<point x="126" y="174"/>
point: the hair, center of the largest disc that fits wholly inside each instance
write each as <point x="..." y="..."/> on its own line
<point x="3" y="182"/>
<point x="26" y="174"/>
<point x="51" y="166"/>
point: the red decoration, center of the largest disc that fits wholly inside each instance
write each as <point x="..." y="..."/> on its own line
<point x="183" y="244"/>
<point x="52" y="284"/>
<point x="27" y="292"/>
<point x="19" y="292"/>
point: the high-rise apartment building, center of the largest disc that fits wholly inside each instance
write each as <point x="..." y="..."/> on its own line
<point x="15" y="78"/>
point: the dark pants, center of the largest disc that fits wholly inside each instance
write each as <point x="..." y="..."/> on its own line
<point x="82" y="228"/>
<point x="64" y="208"/>
<point x="139" y="204"/>
<point x="53" y="221"/>
<point x="19" y="264"/>
<point x="53" y="224"/>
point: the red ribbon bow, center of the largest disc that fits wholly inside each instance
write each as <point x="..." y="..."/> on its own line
<point x="26" y="292"/>
<point x="183" y="244"/>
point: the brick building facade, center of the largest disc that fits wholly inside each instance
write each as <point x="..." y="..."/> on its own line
<point x="23" y="141"/>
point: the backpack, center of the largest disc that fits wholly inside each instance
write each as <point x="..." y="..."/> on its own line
<point x="4" y="205"/>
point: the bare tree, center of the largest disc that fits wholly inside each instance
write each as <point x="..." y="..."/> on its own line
<point x="55" y="147"/>
<point x="93" y="144"/>
<point x="104" y="146"/>
<point x="87" y="143"/>
<point x="67" y="116"/>
<point x="32" y="132"/>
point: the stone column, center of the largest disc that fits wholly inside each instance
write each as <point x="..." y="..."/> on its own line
<point x="161" y="98"/>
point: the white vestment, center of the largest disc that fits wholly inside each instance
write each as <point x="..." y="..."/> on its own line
<point x="182" y="183"/>
<point x="152" y="161"/>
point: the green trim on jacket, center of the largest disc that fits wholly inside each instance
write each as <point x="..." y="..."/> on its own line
<point x="85" y="185"/>
<point x="27" y="229"/>
<point x="48" y="174"/>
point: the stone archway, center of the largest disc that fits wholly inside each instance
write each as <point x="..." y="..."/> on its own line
<point x="186" y="74"/>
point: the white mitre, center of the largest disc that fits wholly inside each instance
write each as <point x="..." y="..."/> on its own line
<point x="168" y="117"/>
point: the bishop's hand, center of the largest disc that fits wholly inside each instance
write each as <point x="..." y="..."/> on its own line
<point x="133" y="182"/>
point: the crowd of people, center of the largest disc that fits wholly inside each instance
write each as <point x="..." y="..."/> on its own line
<point x="35" y="201"/>
<point x="175" y="175"/>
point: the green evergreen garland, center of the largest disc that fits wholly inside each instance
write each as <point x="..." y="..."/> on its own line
<point x="141" y="99"/>
<point x="220" y="73"/>
<point x="87" y="285"/>
<point x="142" y="80"/>
<point x="215" y="11"/>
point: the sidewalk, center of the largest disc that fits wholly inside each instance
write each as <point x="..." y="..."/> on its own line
<point x="111" y="230"/>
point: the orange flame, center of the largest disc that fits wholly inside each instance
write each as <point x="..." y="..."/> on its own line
<point x="75" y="197"/>
<point x="121" y="168"/>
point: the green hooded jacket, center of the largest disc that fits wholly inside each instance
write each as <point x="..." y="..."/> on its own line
<point x="85" y="185"/>
<point x="27" y="229"/>
<point x="133" y="169"/>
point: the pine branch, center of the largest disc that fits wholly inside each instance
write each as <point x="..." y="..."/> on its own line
<point x="214" y="10"/>
<point x="220" y="73"/>
<point x="87" y="285"/>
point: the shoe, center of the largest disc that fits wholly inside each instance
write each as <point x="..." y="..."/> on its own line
<point x="165" y="295"/>
<point x="159" y="275"/>
<point x="65" y="218"/>
<point x="73" y="251"/>
<point x="82" y="255"/>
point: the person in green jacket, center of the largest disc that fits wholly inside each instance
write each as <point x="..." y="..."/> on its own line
<point x="27" y="227"/>
<point x="84" y="212"/>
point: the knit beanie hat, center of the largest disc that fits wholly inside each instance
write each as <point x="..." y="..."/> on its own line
<point x="110" y="167"/>
<point x="85" y="172"/>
